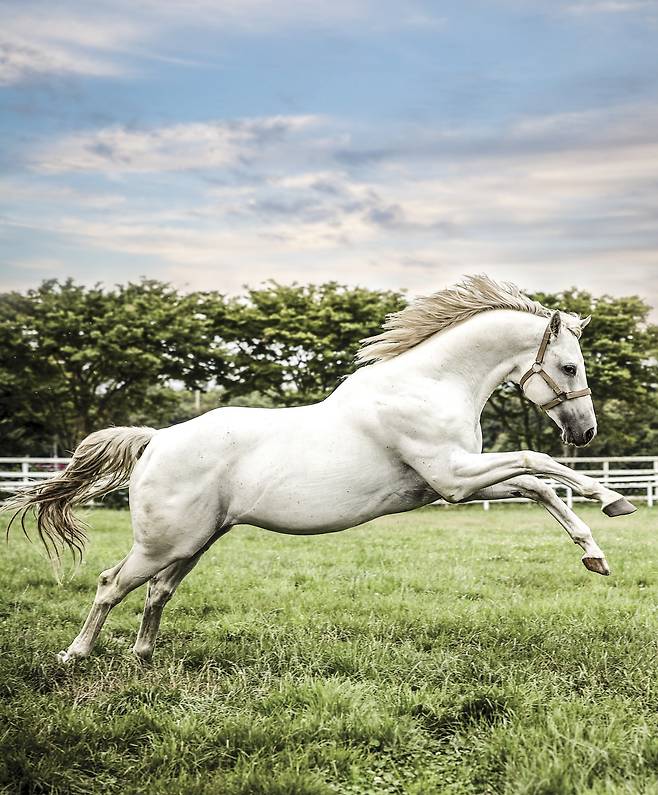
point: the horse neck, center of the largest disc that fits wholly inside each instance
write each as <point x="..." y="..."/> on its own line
<point x="481" y="353"/>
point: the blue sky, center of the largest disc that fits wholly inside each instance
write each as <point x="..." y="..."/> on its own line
<point x="213" y="144"/>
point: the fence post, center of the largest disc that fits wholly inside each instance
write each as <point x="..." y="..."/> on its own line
<point x="25" y="471"/>
<point x="606" y="472"/>
<point x="485" y="505"/>
<point x="654" y="485"/>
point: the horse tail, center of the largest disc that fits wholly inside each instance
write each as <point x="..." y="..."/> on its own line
<point x="101" y="463"/>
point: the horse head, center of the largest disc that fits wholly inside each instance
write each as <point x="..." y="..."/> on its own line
<point x="559" y="385"/>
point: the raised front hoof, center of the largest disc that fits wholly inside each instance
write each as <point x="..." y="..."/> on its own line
<point x="597" y="565"/>
<point x="619" y="507"/>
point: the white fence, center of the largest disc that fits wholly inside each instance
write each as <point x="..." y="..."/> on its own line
<point x="635" y="476"/>
<point x="17" y="473"/>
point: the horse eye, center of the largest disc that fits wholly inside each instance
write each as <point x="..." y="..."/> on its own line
<point x="570" y="369"/>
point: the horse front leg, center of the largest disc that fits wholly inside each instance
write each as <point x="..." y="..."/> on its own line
<point x="466" y="473"/>
<point x="540" y="492"/>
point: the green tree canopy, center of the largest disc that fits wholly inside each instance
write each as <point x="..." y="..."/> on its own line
<point x="295" y="343"/>
<point x="74" y="359"/>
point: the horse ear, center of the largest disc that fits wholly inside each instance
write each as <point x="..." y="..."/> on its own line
<point x="585" y="321"/>
<point x="556" y="323"/>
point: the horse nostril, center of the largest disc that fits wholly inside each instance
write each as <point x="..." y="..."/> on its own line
<point x="589" y="435"/>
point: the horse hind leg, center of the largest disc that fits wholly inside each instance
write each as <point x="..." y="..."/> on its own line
<point x="160" y="590"/>
<point x="113" y="585"/>
<point x="86" y="638"/>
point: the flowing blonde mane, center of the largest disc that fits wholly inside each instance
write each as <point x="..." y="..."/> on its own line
<point x="432" y="313"/>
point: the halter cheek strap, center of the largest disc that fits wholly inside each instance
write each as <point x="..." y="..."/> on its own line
<point x="538" y="369"/>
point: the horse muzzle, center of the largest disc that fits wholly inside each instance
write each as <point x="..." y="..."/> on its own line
<point x="579" y="438"/>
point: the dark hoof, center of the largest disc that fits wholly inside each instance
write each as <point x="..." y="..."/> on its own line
<point x="597" y="565"/>
<point x="619" y="507"/>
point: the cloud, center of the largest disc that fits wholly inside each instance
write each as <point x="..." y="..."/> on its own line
<point x="249" y="149"/>
<point x="52" y="43"/>
<point x="609" y="7"/>
<point x="180" y="147"/>
<point x="587" y="201"/>
<point x="257" y="17"/>
<point x="545" y="200"/>
<point x="110" y="38"/>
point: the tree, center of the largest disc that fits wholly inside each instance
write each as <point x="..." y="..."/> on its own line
<point x="295" y="343"/>
<point x="73" y="359"/>
<point x="618" y="347"/>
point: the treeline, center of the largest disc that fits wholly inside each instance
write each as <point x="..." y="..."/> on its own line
<point x="74" y="359"/>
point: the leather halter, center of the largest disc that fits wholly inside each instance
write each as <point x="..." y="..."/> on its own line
<point x="538" y="369"/>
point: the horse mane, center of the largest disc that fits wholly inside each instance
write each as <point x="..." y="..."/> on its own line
<point x="432" y="313"/>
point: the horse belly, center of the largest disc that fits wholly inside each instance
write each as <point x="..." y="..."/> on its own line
<point x="310" y="499"/>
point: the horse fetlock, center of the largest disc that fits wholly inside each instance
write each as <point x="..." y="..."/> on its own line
<point x="605" y="495"/>
<point x="69" y="656"/>
<point x="143" y="654"/>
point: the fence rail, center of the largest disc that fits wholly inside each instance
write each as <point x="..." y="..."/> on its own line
<point x="17" y="473"/>
<point x="636" y="476"/>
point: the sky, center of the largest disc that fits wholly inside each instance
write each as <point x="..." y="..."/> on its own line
<point x="218" y="143"/>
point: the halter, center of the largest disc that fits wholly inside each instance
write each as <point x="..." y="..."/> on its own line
<point x="538" y="369"/>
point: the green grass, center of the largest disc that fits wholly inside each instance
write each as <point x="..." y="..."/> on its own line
<point x="443" y="651"/>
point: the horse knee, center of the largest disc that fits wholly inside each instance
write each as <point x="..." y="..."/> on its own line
<point x="532" y="487"/>
<point x="532" y="461"/>
<point x="455" y="494"/>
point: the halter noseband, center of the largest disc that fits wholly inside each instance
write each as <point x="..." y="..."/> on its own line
<point x="538" y="369"/>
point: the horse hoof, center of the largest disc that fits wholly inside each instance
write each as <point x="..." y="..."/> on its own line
<point x="619" y="507"/>
<point x="597" y="565"/>
<point x="64" y="658"/>
<point x="142" y="659"/>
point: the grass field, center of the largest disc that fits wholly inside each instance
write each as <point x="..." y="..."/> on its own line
<point x="443" y="651"/>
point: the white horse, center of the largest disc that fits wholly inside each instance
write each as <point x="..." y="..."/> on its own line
<point x="397" y="434"/>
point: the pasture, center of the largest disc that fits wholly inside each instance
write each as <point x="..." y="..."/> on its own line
<point x="447" y="650"/>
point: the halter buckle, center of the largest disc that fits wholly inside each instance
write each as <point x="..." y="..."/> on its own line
<point x="536" y="367"/>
